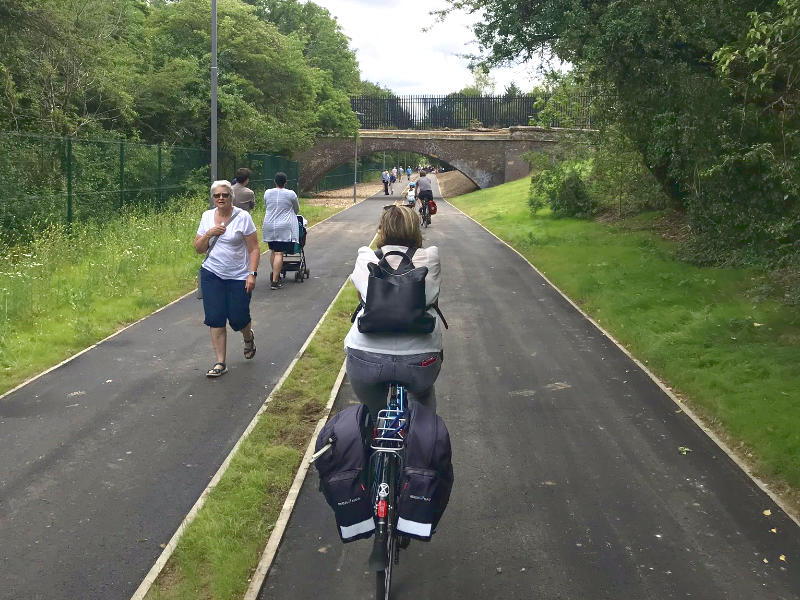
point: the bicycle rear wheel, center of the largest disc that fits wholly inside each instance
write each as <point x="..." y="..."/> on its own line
<point x="383" y="579"/>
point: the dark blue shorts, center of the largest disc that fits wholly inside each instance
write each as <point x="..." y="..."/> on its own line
<point x="285" y="247"/>
<point x="224" y="300"/>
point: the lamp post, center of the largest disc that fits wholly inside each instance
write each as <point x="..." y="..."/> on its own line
<point x="355" y="160"/>
<point x="213" y="90"/>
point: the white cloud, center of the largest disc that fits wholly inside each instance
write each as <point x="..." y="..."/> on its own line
<point x="394" y="51"/>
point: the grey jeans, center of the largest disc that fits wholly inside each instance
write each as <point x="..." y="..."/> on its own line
<point x="371" y="373"/>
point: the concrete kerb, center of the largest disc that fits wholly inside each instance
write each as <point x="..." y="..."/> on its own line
<point x="260" y="574"/>
<point x="156" y="569"/>
<point x="686" y="409"/>
<point x="119" y="331"/>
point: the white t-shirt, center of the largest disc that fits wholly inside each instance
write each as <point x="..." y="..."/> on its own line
<point x="228" y="258"/>
<point x="394" y="343"/>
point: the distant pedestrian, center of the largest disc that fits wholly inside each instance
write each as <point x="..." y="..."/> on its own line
<point x="228" y="237"/>
<point x="409" y="170"/>
<point x="385" y="180"/>
<point x="243" y="196"/>
<point x="394" y="174"/>
<point x="281" y="229"/>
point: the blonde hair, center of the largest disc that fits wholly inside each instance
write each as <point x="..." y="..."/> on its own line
<point x="399" y="226"/>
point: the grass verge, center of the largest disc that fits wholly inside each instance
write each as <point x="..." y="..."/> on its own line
<point x="65" y="292"/>
<point x="221" y="548"/>
<point x="731" y="351"/>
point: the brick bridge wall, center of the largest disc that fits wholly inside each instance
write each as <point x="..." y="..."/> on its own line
<point x="488" y="158"/>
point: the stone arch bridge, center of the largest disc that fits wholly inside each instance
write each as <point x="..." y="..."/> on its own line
<point x="488" y="158"/>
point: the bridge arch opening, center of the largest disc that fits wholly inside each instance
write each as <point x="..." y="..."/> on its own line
<point x="341" y="173"/>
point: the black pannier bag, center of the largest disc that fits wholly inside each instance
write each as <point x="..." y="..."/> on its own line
<point x="396" y="297"/>
<point x="427" y="476"/>
<point x="343" y="471"/>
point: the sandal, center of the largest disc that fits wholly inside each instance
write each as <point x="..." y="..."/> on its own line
<point x="250" y="346"/>
<point x="217" y="370"/>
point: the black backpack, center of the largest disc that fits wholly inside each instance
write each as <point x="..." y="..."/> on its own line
<point x="427" y="477"/>
<point x="396" y="297"/>
<point x="343" y="471"/>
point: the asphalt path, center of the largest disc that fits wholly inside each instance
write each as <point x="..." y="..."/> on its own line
<point x="102" y="458"/>
<point x="568" y="479"/>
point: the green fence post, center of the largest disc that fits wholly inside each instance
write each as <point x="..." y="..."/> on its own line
<point x="69" y="182"/>
<point x="121" y="174"/>
<point x="160" y="193"/>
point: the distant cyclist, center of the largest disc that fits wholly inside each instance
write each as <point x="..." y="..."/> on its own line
<point x="423" y="189"/>
<point x="410" y="194"/>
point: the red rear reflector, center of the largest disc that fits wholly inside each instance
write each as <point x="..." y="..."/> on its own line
<point x="382" y="509"/>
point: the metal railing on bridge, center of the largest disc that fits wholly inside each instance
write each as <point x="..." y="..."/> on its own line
<point x="455" y="111"/>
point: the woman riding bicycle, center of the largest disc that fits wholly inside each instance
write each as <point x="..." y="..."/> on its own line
<point x="374" y="360"/>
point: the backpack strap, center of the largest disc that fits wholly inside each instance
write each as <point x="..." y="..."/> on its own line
<point x="408" y="255"/>
<point x="435" y="306"/>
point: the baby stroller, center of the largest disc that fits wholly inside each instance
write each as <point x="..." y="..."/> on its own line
<point x="297" y="261"/>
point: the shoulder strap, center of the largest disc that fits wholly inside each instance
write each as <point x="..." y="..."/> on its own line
<point x="216" y="237"/>
<point x="407" y="255"/>
<point x="435" y="306"/>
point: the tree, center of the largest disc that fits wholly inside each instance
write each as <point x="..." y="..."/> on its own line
<point x="66" y="67"/>
<point x="267" y="90"/>
<point x="324" y="44"/>
<point x="653" y="63"/>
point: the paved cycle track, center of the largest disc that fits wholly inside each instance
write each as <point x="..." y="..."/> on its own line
<point x="568" y="479"/>
<point x="102" y="458"/>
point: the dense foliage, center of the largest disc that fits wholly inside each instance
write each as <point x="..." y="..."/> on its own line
<point x="141" y="70"/>
<point x="705" y="92"/>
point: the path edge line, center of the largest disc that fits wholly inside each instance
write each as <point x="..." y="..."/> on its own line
<point x="271" y="549"/>
<point x="165" y="555"/>
<point x="664" y="387"/>
<point x="33" y="378"/>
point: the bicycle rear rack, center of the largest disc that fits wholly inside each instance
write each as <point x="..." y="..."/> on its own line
<point x="390" y="431"/>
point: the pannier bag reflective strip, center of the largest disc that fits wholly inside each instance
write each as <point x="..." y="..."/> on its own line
<point x="422" y="530"/>
<point x="348" y="533"/>
<point x="343" y="471"/>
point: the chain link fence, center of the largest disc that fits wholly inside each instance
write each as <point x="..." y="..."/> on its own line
<point x="52" y="180"/>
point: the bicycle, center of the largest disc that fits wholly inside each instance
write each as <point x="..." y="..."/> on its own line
<point x="386" y="465"/>
<point x="425" y="213"/>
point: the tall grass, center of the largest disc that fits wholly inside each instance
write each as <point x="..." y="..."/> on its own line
<point x="70" y="288"/>
<point x="730" y="350"/>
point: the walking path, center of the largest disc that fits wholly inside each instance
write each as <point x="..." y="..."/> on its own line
<point x="569" y="482"/>
<point x="102" y="458"/>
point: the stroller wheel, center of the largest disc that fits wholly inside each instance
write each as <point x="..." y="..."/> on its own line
<point x="298" y="276"/>
<point x="307" y="273"/>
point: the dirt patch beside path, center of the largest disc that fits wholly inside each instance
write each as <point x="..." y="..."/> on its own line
<point x="343" y="197"/>
<point x="455" y="183"/>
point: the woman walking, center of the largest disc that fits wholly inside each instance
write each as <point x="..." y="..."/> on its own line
<point x="227" y="236"/>
<point x="280" y="230"/>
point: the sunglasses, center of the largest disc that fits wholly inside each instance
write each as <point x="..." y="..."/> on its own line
<point x="221" y="195"/>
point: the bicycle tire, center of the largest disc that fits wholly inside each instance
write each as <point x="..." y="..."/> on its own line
<point x="383" y="579"/>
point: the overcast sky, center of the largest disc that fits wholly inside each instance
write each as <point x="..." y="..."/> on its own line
<point x="391" y="47"/>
